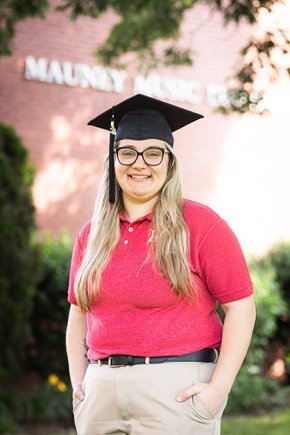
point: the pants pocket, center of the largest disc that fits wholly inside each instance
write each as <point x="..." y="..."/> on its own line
<point x="201" y="409"/>
<point x="205" y="372"/>
<point x="201" y="405"/>
<point x="77" y="402"/>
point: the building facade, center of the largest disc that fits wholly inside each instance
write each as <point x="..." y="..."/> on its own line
<point x="52" y="86"/>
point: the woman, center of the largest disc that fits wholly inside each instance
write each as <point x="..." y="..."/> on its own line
<point x="147" y="275"/>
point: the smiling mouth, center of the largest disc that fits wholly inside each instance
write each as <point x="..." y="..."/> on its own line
<point x="139" y="177"/>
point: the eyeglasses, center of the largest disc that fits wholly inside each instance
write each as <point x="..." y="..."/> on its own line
<point x="151" y="156"/>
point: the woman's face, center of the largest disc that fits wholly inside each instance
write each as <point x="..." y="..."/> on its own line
<point x="140" y="181"/>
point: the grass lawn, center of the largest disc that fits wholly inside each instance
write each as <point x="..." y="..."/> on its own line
<point x="276" y="423"/>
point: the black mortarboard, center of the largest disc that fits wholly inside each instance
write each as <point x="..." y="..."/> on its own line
<point x="141" y="117"/>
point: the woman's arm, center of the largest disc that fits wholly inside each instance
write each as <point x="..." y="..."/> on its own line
<point x="237" y="332"/>
<point x="75" y="336"/>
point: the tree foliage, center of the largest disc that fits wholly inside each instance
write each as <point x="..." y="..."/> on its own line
<point x="50" y="307"/>
<point x="270" y="305"/>
<point x="279" y="258"/>
<point x="18" y="259"/>
<point x="12" y="11"/>
<point x="144" y="22"/>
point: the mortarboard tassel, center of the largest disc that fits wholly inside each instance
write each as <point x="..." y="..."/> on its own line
<point x="111" y="160"/>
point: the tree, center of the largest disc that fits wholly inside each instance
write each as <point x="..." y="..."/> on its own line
<point x="12" y="11"/>
<point x="143" y="22"/>
<point x="18" y="258"/>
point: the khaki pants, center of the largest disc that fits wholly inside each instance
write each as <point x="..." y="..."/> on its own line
<point x="141" y="399"/>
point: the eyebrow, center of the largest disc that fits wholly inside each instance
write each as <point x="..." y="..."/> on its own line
<point x="134" y="147"/>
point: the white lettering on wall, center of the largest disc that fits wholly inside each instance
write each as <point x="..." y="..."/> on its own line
<point x="118" y="78"/>
<point x="168" y="88"/>
<point x="54" y="73"/>
<point x="112" y="80"/>
<point x="35" y="69"/>
<point x="217" y="95"/>
<point x="67" y="73"/>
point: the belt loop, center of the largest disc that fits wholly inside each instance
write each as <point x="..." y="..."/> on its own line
<point x="99" y="363"/>
<point x="216" y="355"/>
<point x="147" y="360"/>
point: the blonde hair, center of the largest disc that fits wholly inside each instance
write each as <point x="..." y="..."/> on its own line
<point x="170" y="254"/>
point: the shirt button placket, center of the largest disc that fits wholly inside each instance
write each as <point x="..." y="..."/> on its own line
<point x="130" y="230"/>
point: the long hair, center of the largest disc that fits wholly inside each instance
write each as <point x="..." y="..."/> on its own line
<point x="169" y="253"/>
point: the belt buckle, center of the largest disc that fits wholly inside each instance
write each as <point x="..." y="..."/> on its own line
<point x="110" y="358"/>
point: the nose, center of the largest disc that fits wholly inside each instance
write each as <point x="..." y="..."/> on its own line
<point x="139" y="162"/>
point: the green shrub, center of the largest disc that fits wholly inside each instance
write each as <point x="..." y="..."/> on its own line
<point x="18" y="258"/>
<point x="279" y="257"/>
<point x="47" y="401"/>
<point x="7" y="420"/>
<point x="36" y="399"/>
<point x="252" y="390"/>
<point x="47" y="353"/>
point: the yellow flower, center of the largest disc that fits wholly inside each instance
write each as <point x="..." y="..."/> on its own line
<point x="61" y="387"/>
<point x="53" y="379"/>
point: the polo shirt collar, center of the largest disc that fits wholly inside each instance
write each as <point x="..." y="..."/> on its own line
<point x="147" y="216"/>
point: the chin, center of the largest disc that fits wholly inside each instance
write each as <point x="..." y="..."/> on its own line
<point x="144" y="196"/>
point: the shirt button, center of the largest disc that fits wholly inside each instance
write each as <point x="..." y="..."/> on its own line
<point x="125" y="242"/>
<point x="130" y="229"/>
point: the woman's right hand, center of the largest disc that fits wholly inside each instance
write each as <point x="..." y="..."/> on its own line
<point x="78" y="392"/>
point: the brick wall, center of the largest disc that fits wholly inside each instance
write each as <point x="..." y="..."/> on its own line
<point x="51" y="119"/>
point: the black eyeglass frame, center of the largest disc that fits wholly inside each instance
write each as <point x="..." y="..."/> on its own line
<point x="164" y="151"/>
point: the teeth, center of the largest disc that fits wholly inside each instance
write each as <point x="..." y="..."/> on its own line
<point x="139" y="176"/>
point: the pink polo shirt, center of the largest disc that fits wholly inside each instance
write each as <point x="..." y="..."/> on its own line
<point x="136" y="313"/>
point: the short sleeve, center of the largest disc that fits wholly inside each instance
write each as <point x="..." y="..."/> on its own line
<point x="77" y="256"/>
<point x="223" y="264"/>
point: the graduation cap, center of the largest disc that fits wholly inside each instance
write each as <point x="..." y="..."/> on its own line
<point x="141" y="117"/>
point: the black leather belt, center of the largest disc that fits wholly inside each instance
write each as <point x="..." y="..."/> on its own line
<point x="204" y="355"/>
